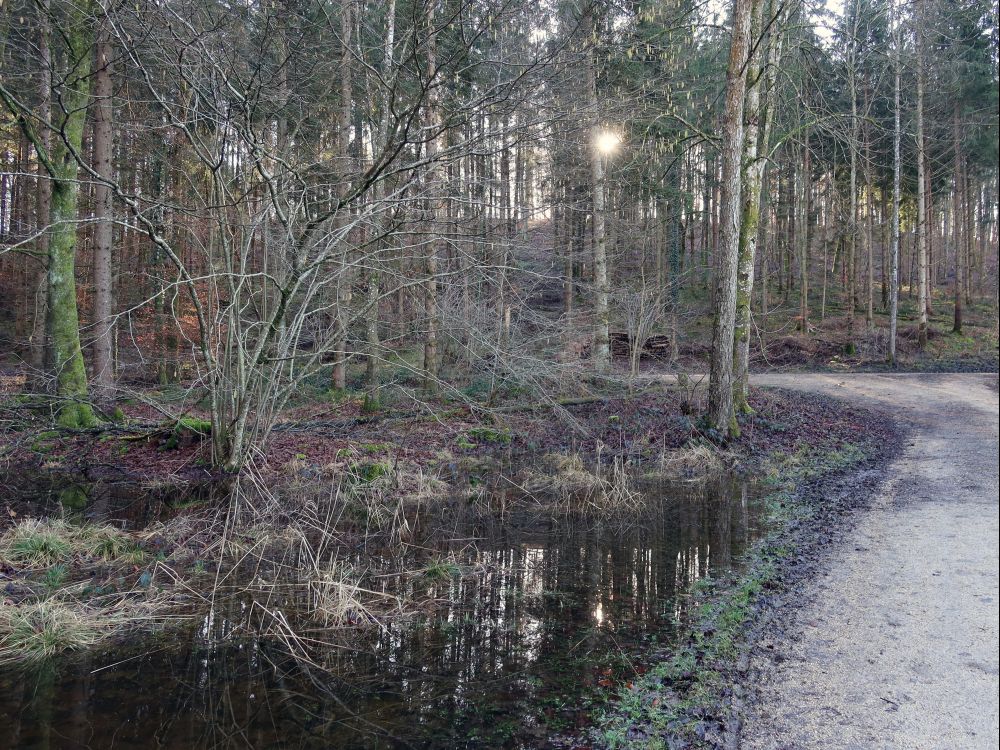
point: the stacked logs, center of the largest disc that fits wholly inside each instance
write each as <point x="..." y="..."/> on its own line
<point x="654" y="346"/>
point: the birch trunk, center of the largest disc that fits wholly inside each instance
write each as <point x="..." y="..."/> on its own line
<point x="759" y="105"/>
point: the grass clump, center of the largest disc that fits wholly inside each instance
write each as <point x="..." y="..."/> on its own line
<point x="442" y="570"/>
<point x="38" y="631"/>
<point x="55" y="577"/>
<point x="109" y="544"/>
<point x="697" y="459"/>
<point x="37" y="543"/>
<point x="43" y="543"/>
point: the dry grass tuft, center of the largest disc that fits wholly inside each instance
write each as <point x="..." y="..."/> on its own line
<point x="335" y="599"/>
<point x="40" y="543"/>
<point x="606" y="489"/>
<point x="34" y="632"/>
<point x="37" y="543"/>
<point x="692" y="462"/>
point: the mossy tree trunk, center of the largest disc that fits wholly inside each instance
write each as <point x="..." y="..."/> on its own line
<point x="65" y="357"/>
<point x="758" y="134"/>
<point x="720" y="390"/>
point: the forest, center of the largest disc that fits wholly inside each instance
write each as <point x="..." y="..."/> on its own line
<point x="350" y="341"/>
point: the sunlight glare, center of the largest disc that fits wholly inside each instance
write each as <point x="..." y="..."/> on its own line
<point x="607" y="142"/>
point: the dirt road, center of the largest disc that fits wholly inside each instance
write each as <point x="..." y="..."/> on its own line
<point x="896" y="646"/>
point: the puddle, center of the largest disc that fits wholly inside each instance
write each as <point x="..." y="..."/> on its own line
<point x="515" y="649"/>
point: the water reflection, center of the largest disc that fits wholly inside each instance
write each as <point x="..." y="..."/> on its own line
<point x="501" y="656"/>
<point x="120" y="503"/>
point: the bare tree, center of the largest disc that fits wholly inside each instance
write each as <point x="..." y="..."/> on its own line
<point x="720" y="392"/>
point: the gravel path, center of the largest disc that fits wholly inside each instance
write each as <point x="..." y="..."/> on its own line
<point x="896" y="646"/>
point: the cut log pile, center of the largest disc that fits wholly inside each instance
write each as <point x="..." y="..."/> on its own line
<point x="654" y="346"/>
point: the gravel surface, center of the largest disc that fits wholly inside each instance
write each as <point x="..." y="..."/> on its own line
<point x="896" y="645"/>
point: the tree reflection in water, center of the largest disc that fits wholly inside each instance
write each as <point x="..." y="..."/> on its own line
<point x="510" y="649"/>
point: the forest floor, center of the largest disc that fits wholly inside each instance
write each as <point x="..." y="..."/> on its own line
<point x="894" y="645"/>
<point x="655" y="429"/>
<point x="323" y="431"/>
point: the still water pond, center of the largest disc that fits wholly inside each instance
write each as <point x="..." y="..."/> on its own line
<point x="517" y="649"/>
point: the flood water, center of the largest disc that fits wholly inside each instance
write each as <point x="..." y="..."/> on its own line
<point x="518" y="644"/>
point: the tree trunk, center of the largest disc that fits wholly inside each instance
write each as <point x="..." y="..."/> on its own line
<point x="602" y="349"/>
<point x="103" y="365"/>
<point x="758" y="107"/>
<point x="435" y="190"/>
<point x="869" y="229"/>
<point x="720" y="392"/>
<point x="957" y="222"/>
<point x="43" y="206"/>
<point x="921" y="189"/>
<point x="852" y="228"/>
<point x="896" y="138"/>
<point x="344" y="123"/>
<point x="63" y="320"/>
<point x="804" y="254"/>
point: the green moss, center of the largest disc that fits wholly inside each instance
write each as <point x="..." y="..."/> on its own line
<point x="371" y="404"/>
<point x="375" y="447"/>
<point x="489" y="435"/>
<point x="74" y="497"/>
<point x="370" y="472"/>
<point x="187" y="430"/>
<point x="42" y="447"/>
<point x="195" y="425"/>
